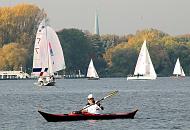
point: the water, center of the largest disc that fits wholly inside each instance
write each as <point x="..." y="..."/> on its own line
<point x="163" y="104"/>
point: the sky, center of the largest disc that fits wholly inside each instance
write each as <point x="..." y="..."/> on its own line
<point x="120" y="17"/>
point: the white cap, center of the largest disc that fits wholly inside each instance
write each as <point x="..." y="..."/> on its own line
<point x="90" y="96"/>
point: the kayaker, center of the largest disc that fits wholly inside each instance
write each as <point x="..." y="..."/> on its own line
<point x="92" y="106"/>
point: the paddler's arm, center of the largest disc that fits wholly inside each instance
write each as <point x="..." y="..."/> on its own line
<point x="80" y="111"/>
<point x="84" y="111"/>
<point x="98" y="103"/>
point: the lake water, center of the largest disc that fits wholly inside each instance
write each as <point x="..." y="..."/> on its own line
<point x="164" y="104"/>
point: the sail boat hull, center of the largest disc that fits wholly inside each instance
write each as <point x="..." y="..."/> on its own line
<point x="141" y="78"/>
<point x="49" y="84"/>
<point x="93" y="78"/>
<point x="178" y="76"/>
<point x="45" y="82"/>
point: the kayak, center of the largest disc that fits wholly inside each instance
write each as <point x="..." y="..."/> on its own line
<point x="86" y="116"/>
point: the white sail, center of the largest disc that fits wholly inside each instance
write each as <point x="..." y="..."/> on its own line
<point x="55" y="51"/>
<point x="144" y="68"/>
<point x="91" y="73"/>
<point x="178" y="70"/>
<point x="141" y="62"/>
<point x="48" y="54"/>
<point x="40" y="58"/>
<point x="182" y="72"/>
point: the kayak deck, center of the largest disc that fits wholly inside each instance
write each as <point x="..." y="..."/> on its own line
<point x="86" y="116"/>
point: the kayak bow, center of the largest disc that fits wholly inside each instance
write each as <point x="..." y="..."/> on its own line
<point x="86" y="116"/>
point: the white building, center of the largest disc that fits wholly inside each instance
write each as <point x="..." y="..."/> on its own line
<point x="13" y="75"/>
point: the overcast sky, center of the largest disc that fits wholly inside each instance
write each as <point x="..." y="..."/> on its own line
<point x="116" y="16"/>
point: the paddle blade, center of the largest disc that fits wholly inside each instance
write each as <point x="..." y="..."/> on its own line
<point x="111" y="94"/>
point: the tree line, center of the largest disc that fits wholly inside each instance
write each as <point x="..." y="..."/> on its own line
<point x="113" y="55"/>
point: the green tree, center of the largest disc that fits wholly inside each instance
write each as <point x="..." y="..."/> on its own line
<point x="157" y="43"/>
<point x="124" y="62"/>
<point x="76" y="50"/>
<point x="98" y="49"/>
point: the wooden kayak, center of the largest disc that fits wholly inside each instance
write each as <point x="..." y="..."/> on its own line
<point x="86" y="116"/>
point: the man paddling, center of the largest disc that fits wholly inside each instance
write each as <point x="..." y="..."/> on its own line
<point x="92" y="106"/>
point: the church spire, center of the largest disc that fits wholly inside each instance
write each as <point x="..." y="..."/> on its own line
<point x="96" y="27"/>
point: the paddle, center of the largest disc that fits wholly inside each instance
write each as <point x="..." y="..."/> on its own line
<point x="108" y="95"/>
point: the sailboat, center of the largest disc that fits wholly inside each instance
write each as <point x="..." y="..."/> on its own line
<point x="178" y="70"/>
<point x="91" y="73"/>
<point x="48" y="55"/>
<point x="144" y="69"/>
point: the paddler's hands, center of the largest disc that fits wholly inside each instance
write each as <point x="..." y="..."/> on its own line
<point x="98" y="103"/>
<point x="76" y="112"/>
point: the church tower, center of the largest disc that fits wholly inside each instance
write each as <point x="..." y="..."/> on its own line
<point x="96" y="27"/>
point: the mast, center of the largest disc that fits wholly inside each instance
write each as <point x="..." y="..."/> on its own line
<point x="47" y="47"/>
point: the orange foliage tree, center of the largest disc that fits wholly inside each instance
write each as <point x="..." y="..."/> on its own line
<point x="18" y="24"/>
<point x="13" y="56"/>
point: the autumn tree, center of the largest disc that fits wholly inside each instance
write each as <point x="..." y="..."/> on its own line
<point x="19" y="24"/>
<point x="13" y="56"/>
<point x="163" y="49"/>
